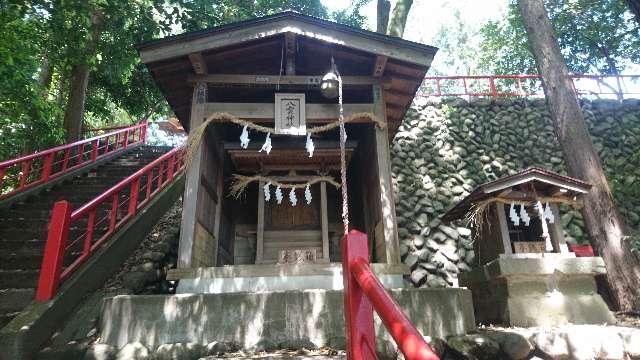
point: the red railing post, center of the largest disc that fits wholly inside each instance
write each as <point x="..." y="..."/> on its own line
<point x="126" y="139"/>
<point x="358" y="311"/>
<point x="492" y="85"/>
<point x="54" y="251"/>
<point x="133" y="196"/>
<point x="24" y="174"/>
<point x="2" y="172"/>
<point x="363" y="293"/>
<point x="94" y="150"/>
<point x="143" y="132"/>
<point x="407" y="337"/>
<point x="46" y="167"/>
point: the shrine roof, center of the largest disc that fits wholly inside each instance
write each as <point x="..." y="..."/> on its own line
<point x="256" y="47"/>
<point x="525" y="185"/>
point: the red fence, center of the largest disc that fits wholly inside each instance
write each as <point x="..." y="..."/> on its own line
<point x="104" y="129"/>
<point x="527" y="85"/>
<point x="363" y="293"/>
<point x="74" y="236"/>
<point x="17" y="175"/>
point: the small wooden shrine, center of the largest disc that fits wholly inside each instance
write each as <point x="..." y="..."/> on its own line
<point x="525" y="275"/>
<point x="262" y="204"/>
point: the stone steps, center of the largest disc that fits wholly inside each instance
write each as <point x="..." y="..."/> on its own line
<point x="23" y="226"/>
<point x="13" y="300"/>
<point x="18" y="279"/>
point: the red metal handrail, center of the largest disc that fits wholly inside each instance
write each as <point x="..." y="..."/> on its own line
<point x="524" y="85"/>
<point x="363" y="293"/>
<point x="107" y="128"/>
<point x="20" y="174"/>
<point x="99" y="219"/>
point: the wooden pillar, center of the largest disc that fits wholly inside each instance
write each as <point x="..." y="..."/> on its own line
<point x="192" y="183"/>
<point x="555" y="230"/>
<point x="387" y="205"/>
<point x="504" y="228"/>
<point x="324" y="221"/>
<point x="260" y="225"/>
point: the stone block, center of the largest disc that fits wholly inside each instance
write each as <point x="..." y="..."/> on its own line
<point x="538" y="292"/>
<point x="250" y="318"/>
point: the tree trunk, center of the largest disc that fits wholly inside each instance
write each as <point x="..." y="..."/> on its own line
<point x="384" y="7"/>
<point x="74" y="112"/>
<point x="399" y="18"/>
<point x="46" y="74"/>
<point x="604" y="224"/>
<point x="634" y="7"/>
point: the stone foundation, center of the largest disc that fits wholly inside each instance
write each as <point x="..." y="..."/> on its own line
<point x="544" y="291"/>
<point x="251" y="319"/>
<point x="276" y="277"/>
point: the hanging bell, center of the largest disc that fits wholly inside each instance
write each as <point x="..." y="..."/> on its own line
<point x="329" y="84"/>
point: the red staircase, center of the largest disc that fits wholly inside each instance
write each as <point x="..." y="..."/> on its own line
<point x="82" y="171"/>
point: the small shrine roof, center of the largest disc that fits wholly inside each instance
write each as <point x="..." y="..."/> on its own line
<point x="251" y="52"/>
<point x="524" y="185"/>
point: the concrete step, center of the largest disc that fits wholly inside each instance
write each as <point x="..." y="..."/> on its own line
<point x="12" y="300"/>
<point x="18" y="245"/>
<point x="5" y="318"/>
<point x="20" y="259"/>
<point x="13" y="233"/>
<point x="18" y="279"/>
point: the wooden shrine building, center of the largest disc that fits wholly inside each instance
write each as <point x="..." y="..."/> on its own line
<point x="253" y="72"/>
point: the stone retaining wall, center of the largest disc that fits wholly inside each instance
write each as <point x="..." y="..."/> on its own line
<point x="442" y="151"/>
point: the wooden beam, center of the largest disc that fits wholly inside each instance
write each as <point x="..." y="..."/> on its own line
<point x="252" y="79"/>
<point x="387" y="204"/>
<point x="324" y="221"/>
<point x="192" y="184"/>
<point x="198" y="63"/>
<point x="260" y="225"/>
<point x="290" y="51"/>
<point x="557" y="236"/>
<point x="337" y="36"/>
<point x="316" y="113"/>
<point x="379" y="66"/>
<point x="504" y="228"/>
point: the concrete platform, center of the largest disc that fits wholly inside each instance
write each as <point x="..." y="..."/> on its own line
<point x="247" y="318"/>
<point x="275" y="277"/>
<point x="540" y="291"/>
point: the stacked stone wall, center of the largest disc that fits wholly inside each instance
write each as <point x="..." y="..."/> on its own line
<point x="443" y="150"/>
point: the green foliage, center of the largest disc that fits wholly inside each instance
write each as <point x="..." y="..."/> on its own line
<point x="594" y="36"/>
<point x="23" y="111"/>
<point x="120" y="89"/>
<point x="457" y="54"/>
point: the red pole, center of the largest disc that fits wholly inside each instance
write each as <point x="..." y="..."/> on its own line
<point x="26" y="169"/>
<point x="46" y="167"/>
<point x="358" y="311"/>
<point x="133" y="196"/>
<point x="143" y="132"/>
<point x="54" y="251"/>
<point x="408" y="338"/>
<point x="2" y="173"/>
<point x="94" y="150"/>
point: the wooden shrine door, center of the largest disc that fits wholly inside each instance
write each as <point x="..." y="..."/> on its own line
<point x="289" y="231"/>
